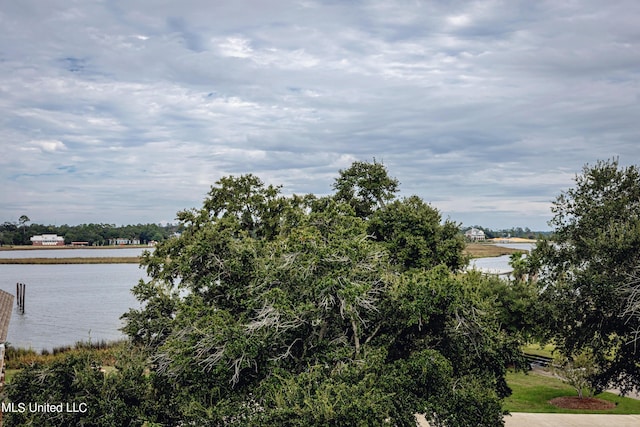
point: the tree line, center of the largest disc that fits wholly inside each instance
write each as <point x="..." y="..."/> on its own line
<point x="20" y="232"/>
<point x="525" y="233"/>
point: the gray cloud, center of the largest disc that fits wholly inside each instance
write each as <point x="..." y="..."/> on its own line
<point x="126" y="112"/>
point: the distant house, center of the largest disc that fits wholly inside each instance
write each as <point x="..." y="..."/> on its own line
<point x="122" y="241"/>
<point x="475" y="235"/>
<point x="47" y="240"/>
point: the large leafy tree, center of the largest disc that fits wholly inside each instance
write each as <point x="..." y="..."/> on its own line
<point x="272" y="310"/>
<point x="587" y="269"/>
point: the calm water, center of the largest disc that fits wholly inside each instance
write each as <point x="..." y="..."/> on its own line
<point x="499" y="264"/>
<point x="69" y="303"/>
<point x="77" y="302"/>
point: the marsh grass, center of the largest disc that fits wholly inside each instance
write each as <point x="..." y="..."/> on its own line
<point x="18" y="358"/>
<point x="483" y="250"/>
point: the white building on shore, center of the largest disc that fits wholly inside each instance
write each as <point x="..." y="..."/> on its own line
<point x="475" y="235"/>
<point x="47" y="240"/>
<point x="120" y="241"/>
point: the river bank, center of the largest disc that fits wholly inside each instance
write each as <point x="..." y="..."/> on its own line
<point x="68" y="247"/>
<point x="73" y="255"/>
<point x="484" y="250"/>
<point x="73" y="260"/>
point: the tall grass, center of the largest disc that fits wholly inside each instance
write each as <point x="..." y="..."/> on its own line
<point x="482" y="250"/>
<point x="18" y="358"/>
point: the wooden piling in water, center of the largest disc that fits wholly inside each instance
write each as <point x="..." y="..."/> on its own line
<point x="20" y="291"/>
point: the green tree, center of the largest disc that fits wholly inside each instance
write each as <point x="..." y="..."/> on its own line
<point x="285" y="311"/>
<point x="412" y="232"/>
<point x="521" y="266"/>
<point x="514" y="304"/>
<point x="578" y="371"/>
<point x="9" y="233"/>
<point x="23" y="220"/>
<point x="586" y="269"/>
<point x="365" y="186"/>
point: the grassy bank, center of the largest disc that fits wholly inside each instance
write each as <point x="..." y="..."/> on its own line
<point x="73" y="260"/>
<point x="18" y="358"/>
<point x="482" y="250"/>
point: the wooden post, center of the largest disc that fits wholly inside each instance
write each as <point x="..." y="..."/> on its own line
<point x="20" y="291"/>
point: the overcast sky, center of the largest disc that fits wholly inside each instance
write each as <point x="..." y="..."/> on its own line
<point x="128" y="111"/>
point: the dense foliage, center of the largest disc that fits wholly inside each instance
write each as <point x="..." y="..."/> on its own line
<point x="347" y="310"/>
<point x="588" y="270"/>
<point x="320" y="311"/>
<point x="79" y="392"/>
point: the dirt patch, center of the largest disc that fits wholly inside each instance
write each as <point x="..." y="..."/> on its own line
<point x="574" y="402"/>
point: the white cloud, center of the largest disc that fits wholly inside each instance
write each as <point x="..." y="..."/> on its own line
<point x="485" y="108"/>
<point x="235" y="47"/>
<point x="459" y="20"/>
<point x="50" y="145"/>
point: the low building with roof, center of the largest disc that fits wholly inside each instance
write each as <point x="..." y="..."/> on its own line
<point x="120" y="241"/>
<point x="47" y="240"/>
<point x="475" y="235"/>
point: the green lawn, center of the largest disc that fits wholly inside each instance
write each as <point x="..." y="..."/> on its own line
<point x="531" y="393"/>
<point x="538" y="350"/>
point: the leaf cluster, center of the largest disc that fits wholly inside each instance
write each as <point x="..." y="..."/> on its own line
<point x="587" y="271"/>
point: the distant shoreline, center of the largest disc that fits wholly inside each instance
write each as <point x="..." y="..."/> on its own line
<point x="474" y="250"/>
<point x="490" y="249"/>
<point x="511" y="240"/>
<point x="70" y="247"/>
<point x="72" y="260"/>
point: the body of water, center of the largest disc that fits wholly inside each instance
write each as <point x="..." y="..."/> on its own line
<point x="522" y="246"/>
<point x="68" y="303"/>
<point x="499" y="264"/>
